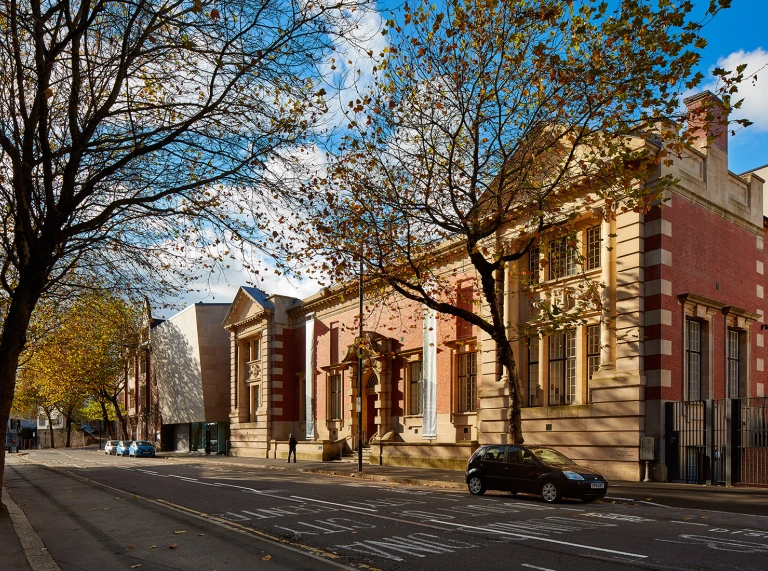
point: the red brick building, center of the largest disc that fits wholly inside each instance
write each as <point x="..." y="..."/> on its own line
<point x="683" y="361"/>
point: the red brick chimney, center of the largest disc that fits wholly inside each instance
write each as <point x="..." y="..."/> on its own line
<point x="707" y="119"/>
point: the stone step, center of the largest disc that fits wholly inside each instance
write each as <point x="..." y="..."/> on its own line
<point x="351" y="455"/>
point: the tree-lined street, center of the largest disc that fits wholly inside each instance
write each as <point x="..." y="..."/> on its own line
<point x="114" y="512"/>
<point x="519" y="222"/>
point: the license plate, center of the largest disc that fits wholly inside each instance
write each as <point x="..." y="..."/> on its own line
<point x="598" y="485"/>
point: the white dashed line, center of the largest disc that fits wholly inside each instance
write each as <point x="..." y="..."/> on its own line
<point x="545" y="539"/>
<point x="345" y="506"/>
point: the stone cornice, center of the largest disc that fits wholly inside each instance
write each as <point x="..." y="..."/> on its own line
<point x="699" y="300"/>
<point x="336" y="367"/>
<point x="250" y="319"/>
<point x="717" y="210"/>
<point x="325" y="298"/>
<point x="458" y="343"/>
<point x="748" y="315"/>
<point x="408" y="353"/>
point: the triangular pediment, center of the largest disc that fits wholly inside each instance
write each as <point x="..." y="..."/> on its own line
<point x="249" y="303"/>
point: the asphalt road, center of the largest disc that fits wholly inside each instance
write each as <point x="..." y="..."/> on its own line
<point x="102" y="512"/>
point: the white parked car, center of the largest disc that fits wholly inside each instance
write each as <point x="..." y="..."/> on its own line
<point x="111" y="447"/>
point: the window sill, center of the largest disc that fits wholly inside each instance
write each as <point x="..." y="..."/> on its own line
<point x="544" y="284"/>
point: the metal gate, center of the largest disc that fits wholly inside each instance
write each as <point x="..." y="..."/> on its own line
<point x="721" y="441"/>
<point x="752" y="439"/>
<point x="686" y="439"/>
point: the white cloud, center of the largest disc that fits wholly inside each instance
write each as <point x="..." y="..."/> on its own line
<point x="754" y="93"/>
<point x="222" y="288"/>
<point x="350" y="72"/>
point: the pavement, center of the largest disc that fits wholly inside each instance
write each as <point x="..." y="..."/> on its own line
<point x="21" y="549"/>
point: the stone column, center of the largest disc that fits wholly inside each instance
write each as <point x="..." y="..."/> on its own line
<point x="607" y="362"/>
<point x="310" y="377"/>
<point x="429" y="374"/>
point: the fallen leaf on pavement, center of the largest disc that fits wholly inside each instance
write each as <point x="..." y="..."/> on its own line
<point x="200" y="534"/>
<point x="172" y="546"/>
<point x="266" y="558"/>
<point x="153" y="546"/>
<point x="134" y="566"/>
<point x="107" y="509"/>
<point x="131" y="547"/>
<point x="180" y="531"/>
<point x="648" y="499"/>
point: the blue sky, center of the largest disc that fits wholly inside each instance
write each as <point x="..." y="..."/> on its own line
<point x="738" y="34"/>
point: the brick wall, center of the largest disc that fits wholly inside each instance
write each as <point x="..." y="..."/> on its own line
<point x="754" y="466"/>
<point x="702" y="253"/>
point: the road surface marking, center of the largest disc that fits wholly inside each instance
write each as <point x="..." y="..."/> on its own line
<point x="761" y="534"/>
<point x="475" y="529"/>
<point x="534" y="567"/>
<point x="345" y="506"/>
<point x="618" y="517"/>
<point x="325" y="527"/>
<point x="298" y="548"/>
<point x="415" y="544"/>
<point x="721" y="543"/>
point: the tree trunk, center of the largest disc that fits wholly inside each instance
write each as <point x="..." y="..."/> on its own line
<point x="495" y="300"/>
<point x="50" y="427"/>
<point x="32" y="280"/>
<point x="69" y="428"/>
<point x="515" y="414"/>
<point x="120" y="418"/>
<point x="11" y="345"/>
<point x="107" y="422"/>
<point x="3" y="432"/>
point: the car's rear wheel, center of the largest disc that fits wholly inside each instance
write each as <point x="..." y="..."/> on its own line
<point x="476" y="486"/>
<point x="550" y="492"/>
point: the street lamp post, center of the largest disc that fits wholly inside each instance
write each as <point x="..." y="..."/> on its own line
<point x="360" y="378"/>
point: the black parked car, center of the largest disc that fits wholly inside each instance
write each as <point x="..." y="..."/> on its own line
<point x="532" y="469"/>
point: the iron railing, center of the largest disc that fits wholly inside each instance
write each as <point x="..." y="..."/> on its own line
<point x="718" y="441"/>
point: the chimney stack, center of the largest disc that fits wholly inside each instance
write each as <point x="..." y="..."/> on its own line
<point x="707" y="121"/>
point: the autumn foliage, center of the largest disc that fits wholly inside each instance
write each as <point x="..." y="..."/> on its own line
<point x="492" y="127"/>
<point x="79" y="364"/>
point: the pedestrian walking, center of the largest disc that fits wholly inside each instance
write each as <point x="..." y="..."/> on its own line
<point x="292" y="447"/>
